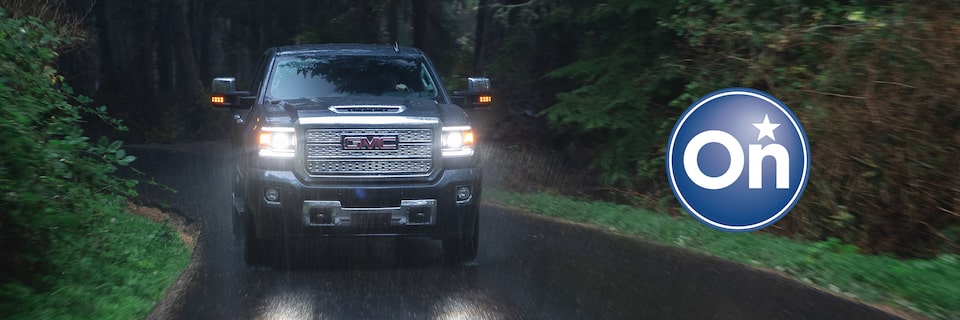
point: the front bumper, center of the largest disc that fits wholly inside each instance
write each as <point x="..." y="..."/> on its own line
<point x="343" y="208"/>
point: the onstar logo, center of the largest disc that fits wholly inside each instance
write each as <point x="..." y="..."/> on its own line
<point x="738" y="160"/>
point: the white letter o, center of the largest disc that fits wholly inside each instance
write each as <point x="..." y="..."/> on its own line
<point x="692" y="152"/>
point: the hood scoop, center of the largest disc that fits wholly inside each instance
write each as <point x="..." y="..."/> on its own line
<point x="367" y="109"/>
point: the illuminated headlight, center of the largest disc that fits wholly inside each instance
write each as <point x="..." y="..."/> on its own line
<point x="277" y="142"/>
<point x="458" y="141"/>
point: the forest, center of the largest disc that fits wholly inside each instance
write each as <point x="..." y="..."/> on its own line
<point x="875" y="83"/>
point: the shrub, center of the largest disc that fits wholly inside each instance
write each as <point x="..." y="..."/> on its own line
<point x="875" y="87"/>
<point x="49" y="171"/>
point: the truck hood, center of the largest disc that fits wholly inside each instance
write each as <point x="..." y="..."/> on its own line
<point x="290" y="111"/>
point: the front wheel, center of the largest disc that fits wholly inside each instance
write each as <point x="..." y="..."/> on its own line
<point x="255" y="250"/>
<point x="462" y="249"/>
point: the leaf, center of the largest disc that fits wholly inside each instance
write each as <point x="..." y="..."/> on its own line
<point x="114" y="146"/>
<point x="127" y="160"/>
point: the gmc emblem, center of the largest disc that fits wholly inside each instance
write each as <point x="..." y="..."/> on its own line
<point x="370" y="143"/>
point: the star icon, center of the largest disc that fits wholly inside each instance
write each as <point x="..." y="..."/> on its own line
<point x="766" y="128"/>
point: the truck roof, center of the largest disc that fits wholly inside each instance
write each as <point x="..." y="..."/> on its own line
<point x="352" y="49"/>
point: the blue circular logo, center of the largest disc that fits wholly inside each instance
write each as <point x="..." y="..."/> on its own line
<point x="738" y="160"/>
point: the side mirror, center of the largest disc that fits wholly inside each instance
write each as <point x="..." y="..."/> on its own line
<point x="477" y="94"/>
<point x="225" y="94"/>
<point x="478" y="84"/>
<point x="224" y="84"/>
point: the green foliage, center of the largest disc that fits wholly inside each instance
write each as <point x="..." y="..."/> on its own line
<point x="47" y="157"/>
<point x="607" y="71"/>
<point x="47" y="161"/>
<point x="919" y="285"/>
<point x="57" y="189"/>
<point x="873" y="83"/>
<point x="118" y="269"/>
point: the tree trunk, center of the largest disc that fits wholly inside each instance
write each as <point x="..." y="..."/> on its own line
<point x="165" y="59"/>
<point x="108" y="70"/>
<point x="144" y="30"/>
<point x="388" y="21"/>
<point x="188" y="77"/>
<point x="483" y="9"/>
<point x="424" y="30"/>
<point x="205" y="20"/>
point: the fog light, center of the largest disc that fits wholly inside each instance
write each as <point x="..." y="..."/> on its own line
<point x="271" y="194"/>
<point x="464" y="193"/>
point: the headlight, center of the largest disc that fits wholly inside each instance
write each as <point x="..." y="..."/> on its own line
<point x="458" y="141"/>
<point x="277" y="142"/>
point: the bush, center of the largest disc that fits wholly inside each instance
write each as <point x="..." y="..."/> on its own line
<point x="875" y="87"/>
<point x="52" y="177"/>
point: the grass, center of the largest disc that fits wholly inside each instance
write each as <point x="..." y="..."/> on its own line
<point x="929" y="287"/>
<point x="116" y="267"/>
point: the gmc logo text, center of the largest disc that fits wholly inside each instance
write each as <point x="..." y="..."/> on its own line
<point x="370" y="143"/>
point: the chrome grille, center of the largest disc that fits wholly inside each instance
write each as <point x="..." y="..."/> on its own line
<point x="377" y="166"/>
<point x="325" y="155"/>
<point x="333" y="135"/>
<point x="316" y="151"/>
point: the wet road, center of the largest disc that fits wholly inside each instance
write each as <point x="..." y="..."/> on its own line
<point x="528" y="267"/>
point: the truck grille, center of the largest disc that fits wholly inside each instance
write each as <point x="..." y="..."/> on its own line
<point x="412" y="156"/>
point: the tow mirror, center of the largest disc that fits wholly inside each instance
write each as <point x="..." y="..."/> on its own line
<point x="477" y="94"/>
<point x="225" y="94"/>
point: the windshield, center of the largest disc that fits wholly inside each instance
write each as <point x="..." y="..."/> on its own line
<point x="311" y="76"/>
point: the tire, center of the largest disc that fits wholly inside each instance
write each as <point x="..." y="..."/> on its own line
<point x="462" y="249"/>
<point x="287" y="252"/>
<point x="255" y="250"/>
<point x="280" y="252"/>
<point x="236" y="225"/>
<point x="237" y="202"/>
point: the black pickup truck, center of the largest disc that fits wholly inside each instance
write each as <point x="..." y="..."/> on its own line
<point x="354" y="141"/>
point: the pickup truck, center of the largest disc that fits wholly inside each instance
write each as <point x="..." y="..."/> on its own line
<point x="352" y="141"/>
